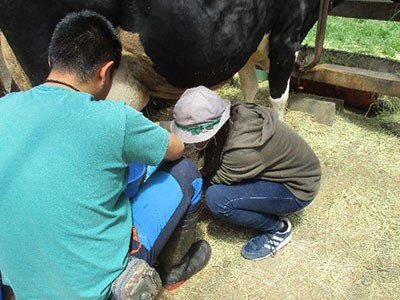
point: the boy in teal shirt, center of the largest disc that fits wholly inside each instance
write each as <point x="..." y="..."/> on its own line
<point x="65" y="221"/>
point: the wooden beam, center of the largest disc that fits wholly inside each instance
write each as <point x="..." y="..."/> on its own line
<point x="368" y="9"/>
<point x="351" y="59"/>
<point x="354" y="78"/>
<point x="359" y="99"/>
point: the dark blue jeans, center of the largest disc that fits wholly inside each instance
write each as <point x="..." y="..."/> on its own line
<point x="253" y="203"/>
<point x="170" y="193"/>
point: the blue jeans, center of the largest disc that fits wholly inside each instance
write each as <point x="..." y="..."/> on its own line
<point x="171" y="192"/>
<point x="253" y="203"/>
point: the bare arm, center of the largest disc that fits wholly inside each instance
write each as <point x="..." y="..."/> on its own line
<point x="175" y="148"/>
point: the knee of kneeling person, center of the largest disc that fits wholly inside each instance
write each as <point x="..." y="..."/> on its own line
<point x="188" y="167"/>
<point x="216" y="201"/>
<point x="183" y="169"/>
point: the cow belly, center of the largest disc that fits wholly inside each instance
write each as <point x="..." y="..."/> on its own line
<point x="136" y="79"/>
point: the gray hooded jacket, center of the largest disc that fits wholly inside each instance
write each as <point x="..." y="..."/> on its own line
<point x="259" y="146"/>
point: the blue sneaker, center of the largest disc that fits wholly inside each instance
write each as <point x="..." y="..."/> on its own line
<point x="267" y="244"/>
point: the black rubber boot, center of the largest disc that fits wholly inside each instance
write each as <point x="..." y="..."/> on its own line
<point x="197" y="258"/>
<point x="181" y="258"/>
<point x="180" y="242"/>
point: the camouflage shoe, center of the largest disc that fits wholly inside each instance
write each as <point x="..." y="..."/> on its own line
<point x="138" y="281"/>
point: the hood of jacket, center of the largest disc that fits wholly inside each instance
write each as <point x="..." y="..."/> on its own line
<point x="252" y="126"/>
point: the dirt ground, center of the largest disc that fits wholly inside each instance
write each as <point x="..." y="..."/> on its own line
<point x="345" y="244"/>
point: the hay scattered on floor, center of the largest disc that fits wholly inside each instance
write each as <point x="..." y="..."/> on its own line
<point x="345" y="244"/>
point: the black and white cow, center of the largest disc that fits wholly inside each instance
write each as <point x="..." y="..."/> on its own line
<point x="168" y="46"/>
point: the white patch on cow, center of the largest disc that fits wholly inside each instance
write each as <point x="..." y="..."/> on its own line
<point x="279" y="104"/>
<point x="14" y="68"/>
<point x="249" y="82"/>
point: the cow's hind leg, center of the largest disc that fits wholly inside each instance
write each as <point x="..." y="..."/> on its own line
<point x="13" y="66"/>
<point x="281" y="68"/>
<point x="248" y="81"/>
<point x="248" y="76"/>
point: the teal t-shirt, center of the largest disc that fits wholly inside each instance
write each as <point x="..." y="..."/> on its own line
<point x="65" y="222"/>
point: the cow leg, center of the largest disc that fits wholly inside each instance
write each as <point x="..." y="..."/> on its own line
<point x="248" y="81"/>
<point x="2" y="89"/>
<point x="14" y="68"/>
<point x="127" y="88"/>
<point x="248" y="76"/>
<point x="279" y="76"/>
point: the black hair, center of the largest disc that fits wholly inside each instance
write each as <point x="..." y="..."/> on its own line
<point x="213" y="152"/>
<point x="82" y="42"/>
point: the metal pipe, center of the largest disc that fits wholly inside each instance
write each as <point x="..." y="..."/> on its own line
<point x="320" y="36"/>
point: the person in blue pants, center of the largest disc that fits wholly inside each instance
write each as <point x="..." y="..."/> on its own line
<point x="165" y="211"/>
<point x="68" y="230"/>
